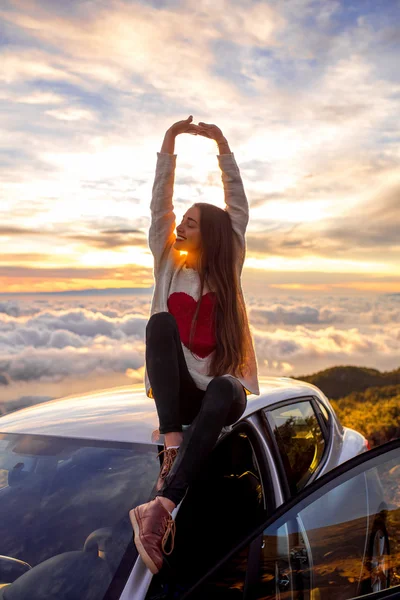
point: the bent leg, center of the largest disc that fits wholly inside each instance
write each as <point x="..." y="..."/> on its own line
<point x="172" y="384"/>
<point x="223" y="403"/>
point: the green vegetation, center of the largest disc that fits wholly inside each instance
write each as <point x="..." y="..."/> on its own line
<point x="339" y="382"/>
<point x="364" y="399"/>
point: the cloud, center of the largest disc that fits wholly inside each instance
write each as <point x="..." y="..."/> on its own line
<point x="114" y="238"/>
<point x="13" y="308"/>
<point x="53" y="345"/>
<point x="54" y="364"/>
<point x="50" y="340"/>
<point x="4" y="380"/>
<point x="360" y="233"/>
<point x="376" y="226"/>
<point x="279" y="315"/>
<point x="8" y="230"/>
<point x="298" y="88"/>
<point x="70" y="328"/>
<point x="23" y="257"/>
<point x="56" y="273"/>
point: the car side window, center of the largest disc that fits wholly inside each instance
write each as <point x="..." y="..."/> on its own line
<point x="299" y="440"/>
<point x="341" y="542"/>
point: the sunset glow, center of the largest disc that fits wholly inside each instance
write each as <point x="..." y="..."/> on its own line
<point x="312" y="125"/>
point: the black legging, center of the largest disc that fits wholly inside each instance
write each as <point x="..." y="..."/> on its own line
<point x="180" y="402"/>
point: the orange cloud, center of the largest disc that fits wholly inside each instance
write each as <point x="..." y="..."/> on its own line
<point x="29" y="280"/>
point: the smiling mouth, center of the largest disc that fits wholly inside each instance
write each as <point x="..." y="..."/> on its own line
<point x="180" y="239"/>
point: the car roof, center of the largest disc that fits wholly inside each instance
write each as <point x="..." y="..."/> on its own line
<point x="126" y="414"/>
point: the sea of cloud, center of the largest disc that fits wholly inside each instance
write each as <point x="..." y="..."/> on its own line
<point x="53" y="346"/>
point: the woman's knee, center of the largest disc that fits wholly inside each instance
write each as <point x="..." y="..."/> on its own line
<point x="225" y="393"/>
<point x="160" y="322"/>
<point x="221" y="384"/>
<point x="221" y="391"/>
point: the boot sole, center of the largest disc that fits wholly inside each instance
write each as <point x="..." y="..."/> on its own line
<point x="140" y="548"/>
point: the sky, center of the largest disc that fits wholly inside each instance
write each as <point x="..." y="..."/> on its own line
<point x="306" y="93"/>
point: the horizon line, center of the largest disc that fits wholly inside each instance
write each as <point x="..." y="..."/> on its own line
<point x="84" y="292"/>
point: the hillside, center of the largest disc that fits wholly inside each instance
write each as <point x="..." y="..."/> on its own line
<point x="364" y="399"/>
<point x="338" y="382"/>
<point x="376" y="414"/>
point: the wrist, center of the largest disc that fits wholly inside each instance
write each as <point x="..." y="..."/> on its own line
<point x="170" y="134"/>
<point x="168" y="145"/>
<point x="223" y="146"/>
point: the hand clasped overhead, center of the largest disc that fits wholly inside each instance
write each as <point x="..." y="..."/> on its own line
<point x="208" y="130"/>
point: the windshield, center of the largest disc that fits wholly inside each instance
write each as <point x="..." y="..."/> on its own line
<point x="64" y="512"/>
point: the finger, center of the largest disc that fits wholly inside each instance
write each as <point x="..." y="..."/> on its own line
<point x="205" y="132"/>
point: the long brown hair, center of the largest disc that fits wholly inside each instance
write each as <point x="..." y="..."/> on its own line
<point x="219" y="256"/>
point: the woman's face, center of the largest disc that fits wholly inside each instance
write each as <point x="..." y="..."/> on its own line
<point x="190" y="230"/>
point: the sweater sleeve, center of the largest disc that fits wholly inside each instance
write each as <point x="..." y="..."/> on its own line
<point x="161" y="232"/>
<point x="235" y="197"/>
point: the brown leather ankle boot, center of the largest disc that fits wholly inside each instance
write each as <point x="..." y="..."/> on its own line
<point x="170" y="455"/>
<point x="152" y="524"/>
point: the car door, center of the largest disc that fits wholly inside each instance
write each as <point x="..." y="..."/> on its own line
<point x="325" y="544"/>
<point x="230" y="497"/>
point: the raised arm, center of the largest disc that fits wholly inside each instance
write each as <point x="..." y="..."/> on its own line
<point x="161" y="207"/>
<point x="236" y="202"/>
<point x="161" y="232"/>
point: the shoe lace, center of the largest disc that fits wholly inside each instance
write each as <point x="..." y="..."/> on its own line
<point x="169" y="524"/>
<point x="169" y="457"/>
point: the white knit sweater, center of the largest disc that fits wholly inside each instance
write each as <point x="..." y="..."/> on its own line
<point x="174" y="282"/>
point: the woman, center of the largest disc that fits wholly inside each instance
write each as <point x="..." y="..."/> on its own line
<point x="200" y="360"/>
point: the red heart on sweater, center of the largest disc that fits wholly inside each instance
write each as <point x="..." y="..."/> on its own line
<point x="183" y="307"/>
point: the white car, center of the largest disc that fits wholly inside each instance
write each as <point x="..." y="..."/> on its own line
<point x="289" y="504"/>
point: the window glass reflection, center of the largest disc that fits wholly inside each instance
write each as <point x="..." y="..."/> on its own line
<point x="300" y="441"/>
<point x="64" y="508"/>
<point x="340" y="544"/>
